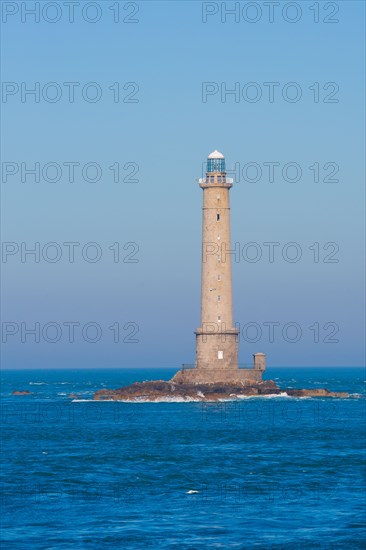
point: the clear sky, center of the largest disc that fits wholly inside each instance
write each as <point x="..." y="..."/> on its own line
<point x="160" y="131"/>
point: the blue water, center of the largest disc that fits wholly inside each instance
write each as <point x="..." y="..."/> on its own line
<point x="270" y="472"/>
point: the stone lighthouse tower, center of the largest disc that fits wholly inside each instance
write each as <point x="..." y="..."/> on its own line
<point x="217" y="338"/>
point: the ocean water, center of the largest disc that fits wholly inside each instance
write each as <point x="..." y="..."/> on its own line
<point x="267" y="473"/>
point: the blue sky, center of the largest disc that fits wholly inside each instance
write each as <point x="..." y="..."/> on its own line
<point x="169" y="53"/>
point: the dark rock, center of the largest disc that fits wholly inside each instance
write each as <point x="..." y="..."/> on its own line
<point x="160" y="390"/>
<point x="320" y="392"/>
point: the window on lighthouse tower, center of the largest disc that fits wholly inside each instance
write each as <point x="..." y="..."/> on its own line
<point x="218" y="217"/>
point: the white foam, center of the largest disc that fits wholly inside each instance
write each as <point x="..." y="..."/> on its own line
<point x="187" y="399"/>
<point x="275" y="395"/>
<point x="269" y="396"/>
<point x="178" y="399"/>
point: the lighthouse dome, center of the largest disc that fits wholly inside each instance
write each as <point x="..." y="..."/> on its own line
<point x="216" y="162"/>
<point x="215" y="155"/>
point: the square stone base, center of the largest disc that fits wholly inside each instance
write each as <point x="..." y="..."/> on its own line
<point x="217" y="376"/>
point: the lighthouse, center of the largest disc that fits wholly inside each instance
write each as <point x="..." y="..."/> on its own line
<point x="217" y="338"/>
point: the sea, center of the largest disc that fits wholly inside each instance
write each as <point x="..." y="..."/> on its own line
<point x="268" y="473"/>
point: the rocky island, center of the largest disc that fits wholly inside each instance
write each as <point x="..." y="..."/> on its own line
<point x="165" y="391"/>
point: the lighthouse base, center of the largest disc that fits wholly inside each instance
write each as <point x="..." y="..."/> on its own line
<point x="217" y="376"/>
